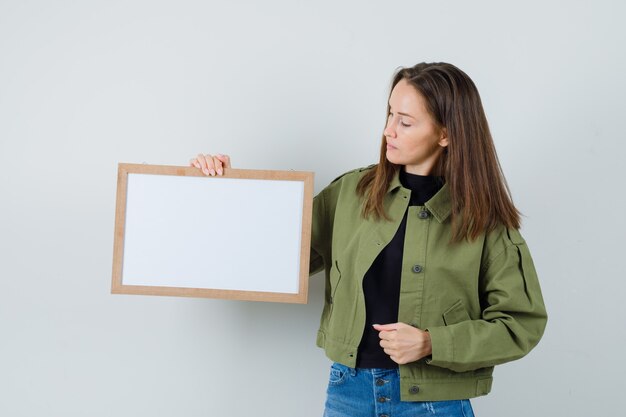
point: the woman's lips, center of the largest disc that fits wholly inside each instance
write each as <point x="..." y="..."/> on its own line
<point x="390" y="147"/>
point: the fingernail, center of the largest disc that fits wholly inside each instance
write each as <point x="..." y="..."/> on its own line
<point x="206" y="172"/>
<point x="212" y="172"/>
<point x="219" y="171"/>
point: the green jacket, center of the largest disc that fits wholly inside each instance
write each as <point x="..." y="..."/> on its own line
<point x="480" y="301"/>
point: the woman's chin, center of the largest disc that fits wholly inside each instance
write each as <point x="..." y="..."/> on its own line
<point x="393" y="158"/>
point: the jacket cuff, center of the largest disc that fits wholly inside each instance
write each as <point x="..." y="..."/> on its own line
<point x="442" y="347"/>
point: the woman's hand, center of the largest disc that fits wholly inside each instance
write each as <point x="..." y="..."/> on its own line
<point x="404" y="343"/>
<point x="211" y="164"/>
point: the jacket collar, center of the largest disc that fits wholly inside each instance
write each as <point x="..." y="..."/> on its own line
<point x="440" y="205"/>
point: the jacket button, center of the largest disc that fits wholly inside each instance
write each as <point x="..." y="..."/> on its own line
<point x="414" y="389"/>
<point x="423" y="214"/>
<point x="417" y="269"/>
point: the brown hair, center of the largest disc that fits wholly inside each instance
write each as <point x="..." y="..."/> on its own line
<point x="481" y="198"/>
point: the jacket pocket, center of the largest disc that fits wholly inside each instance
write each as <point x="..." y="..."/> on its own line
<point x="335" y="279"/>
<point x="455" y="314"/>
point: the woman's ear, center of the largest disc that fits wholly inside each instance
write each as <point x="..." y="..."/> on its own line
<point x="443" y="139"/>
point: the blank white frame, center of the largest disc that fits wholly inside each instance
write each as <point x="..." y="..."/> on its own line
<point x="244" y="235"/>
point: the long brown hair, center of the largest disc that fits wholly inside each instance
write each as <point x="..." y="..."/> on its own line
<point x="481" y="199"/>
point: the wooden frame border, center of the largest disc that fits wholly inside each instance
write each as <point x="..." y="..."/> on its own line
<point x="117" y="286"/>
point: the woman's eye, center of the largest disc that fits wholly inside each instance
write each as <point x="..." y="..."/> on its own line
<point x="404" y="124"/>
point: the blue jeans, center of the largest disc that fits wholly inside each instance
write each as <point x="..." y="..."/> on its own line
<point x="376" y="393"/>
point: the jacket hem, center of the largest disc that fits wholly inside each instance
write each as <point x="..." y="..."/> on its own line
<point x="444" y="388"/>
<point x="429" y="390"/>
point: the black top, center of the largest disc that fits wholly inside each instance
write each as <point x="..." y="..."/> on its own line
<point x="381" y="284"/>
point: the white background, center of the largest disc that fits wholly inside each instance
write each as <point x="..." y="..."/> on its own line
<point x="287" y="85"/>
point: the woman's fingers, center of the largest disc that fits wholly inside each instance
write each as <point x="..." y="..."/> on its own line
<point x="211" y="164"/>
<point x="202" y="162"/>
<point x="225" y="160"/>
<point x="218" y="165"/>
<point x="404" y="344"/>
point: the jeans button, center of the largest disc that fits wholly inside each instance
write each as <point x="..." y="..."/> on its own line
<point x="380" y="382"/>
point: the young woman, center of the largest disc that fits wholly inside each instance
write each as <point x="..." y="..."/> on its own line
<point x="429" y="283"/>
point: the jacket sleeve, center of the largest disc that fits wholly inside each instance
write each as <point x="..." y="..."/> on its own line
<point x="324" y="208"/>
<point x="318" y="234"/>
<point x="513" y="315"/>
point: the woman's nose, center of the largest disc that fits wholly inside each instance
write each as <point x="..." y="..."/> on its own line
<point x="389" y="130"/>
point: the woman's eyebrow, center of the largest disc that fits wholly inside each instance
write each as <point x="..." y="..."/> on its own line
<point x="403" y="114"/>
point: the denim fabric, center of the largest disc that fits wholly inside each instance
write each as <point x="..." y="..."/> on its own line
<point x="365" y="392"/>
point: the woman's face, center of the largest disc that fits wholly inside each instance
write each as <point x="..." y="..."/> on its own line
<point x="413" y="139"/>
